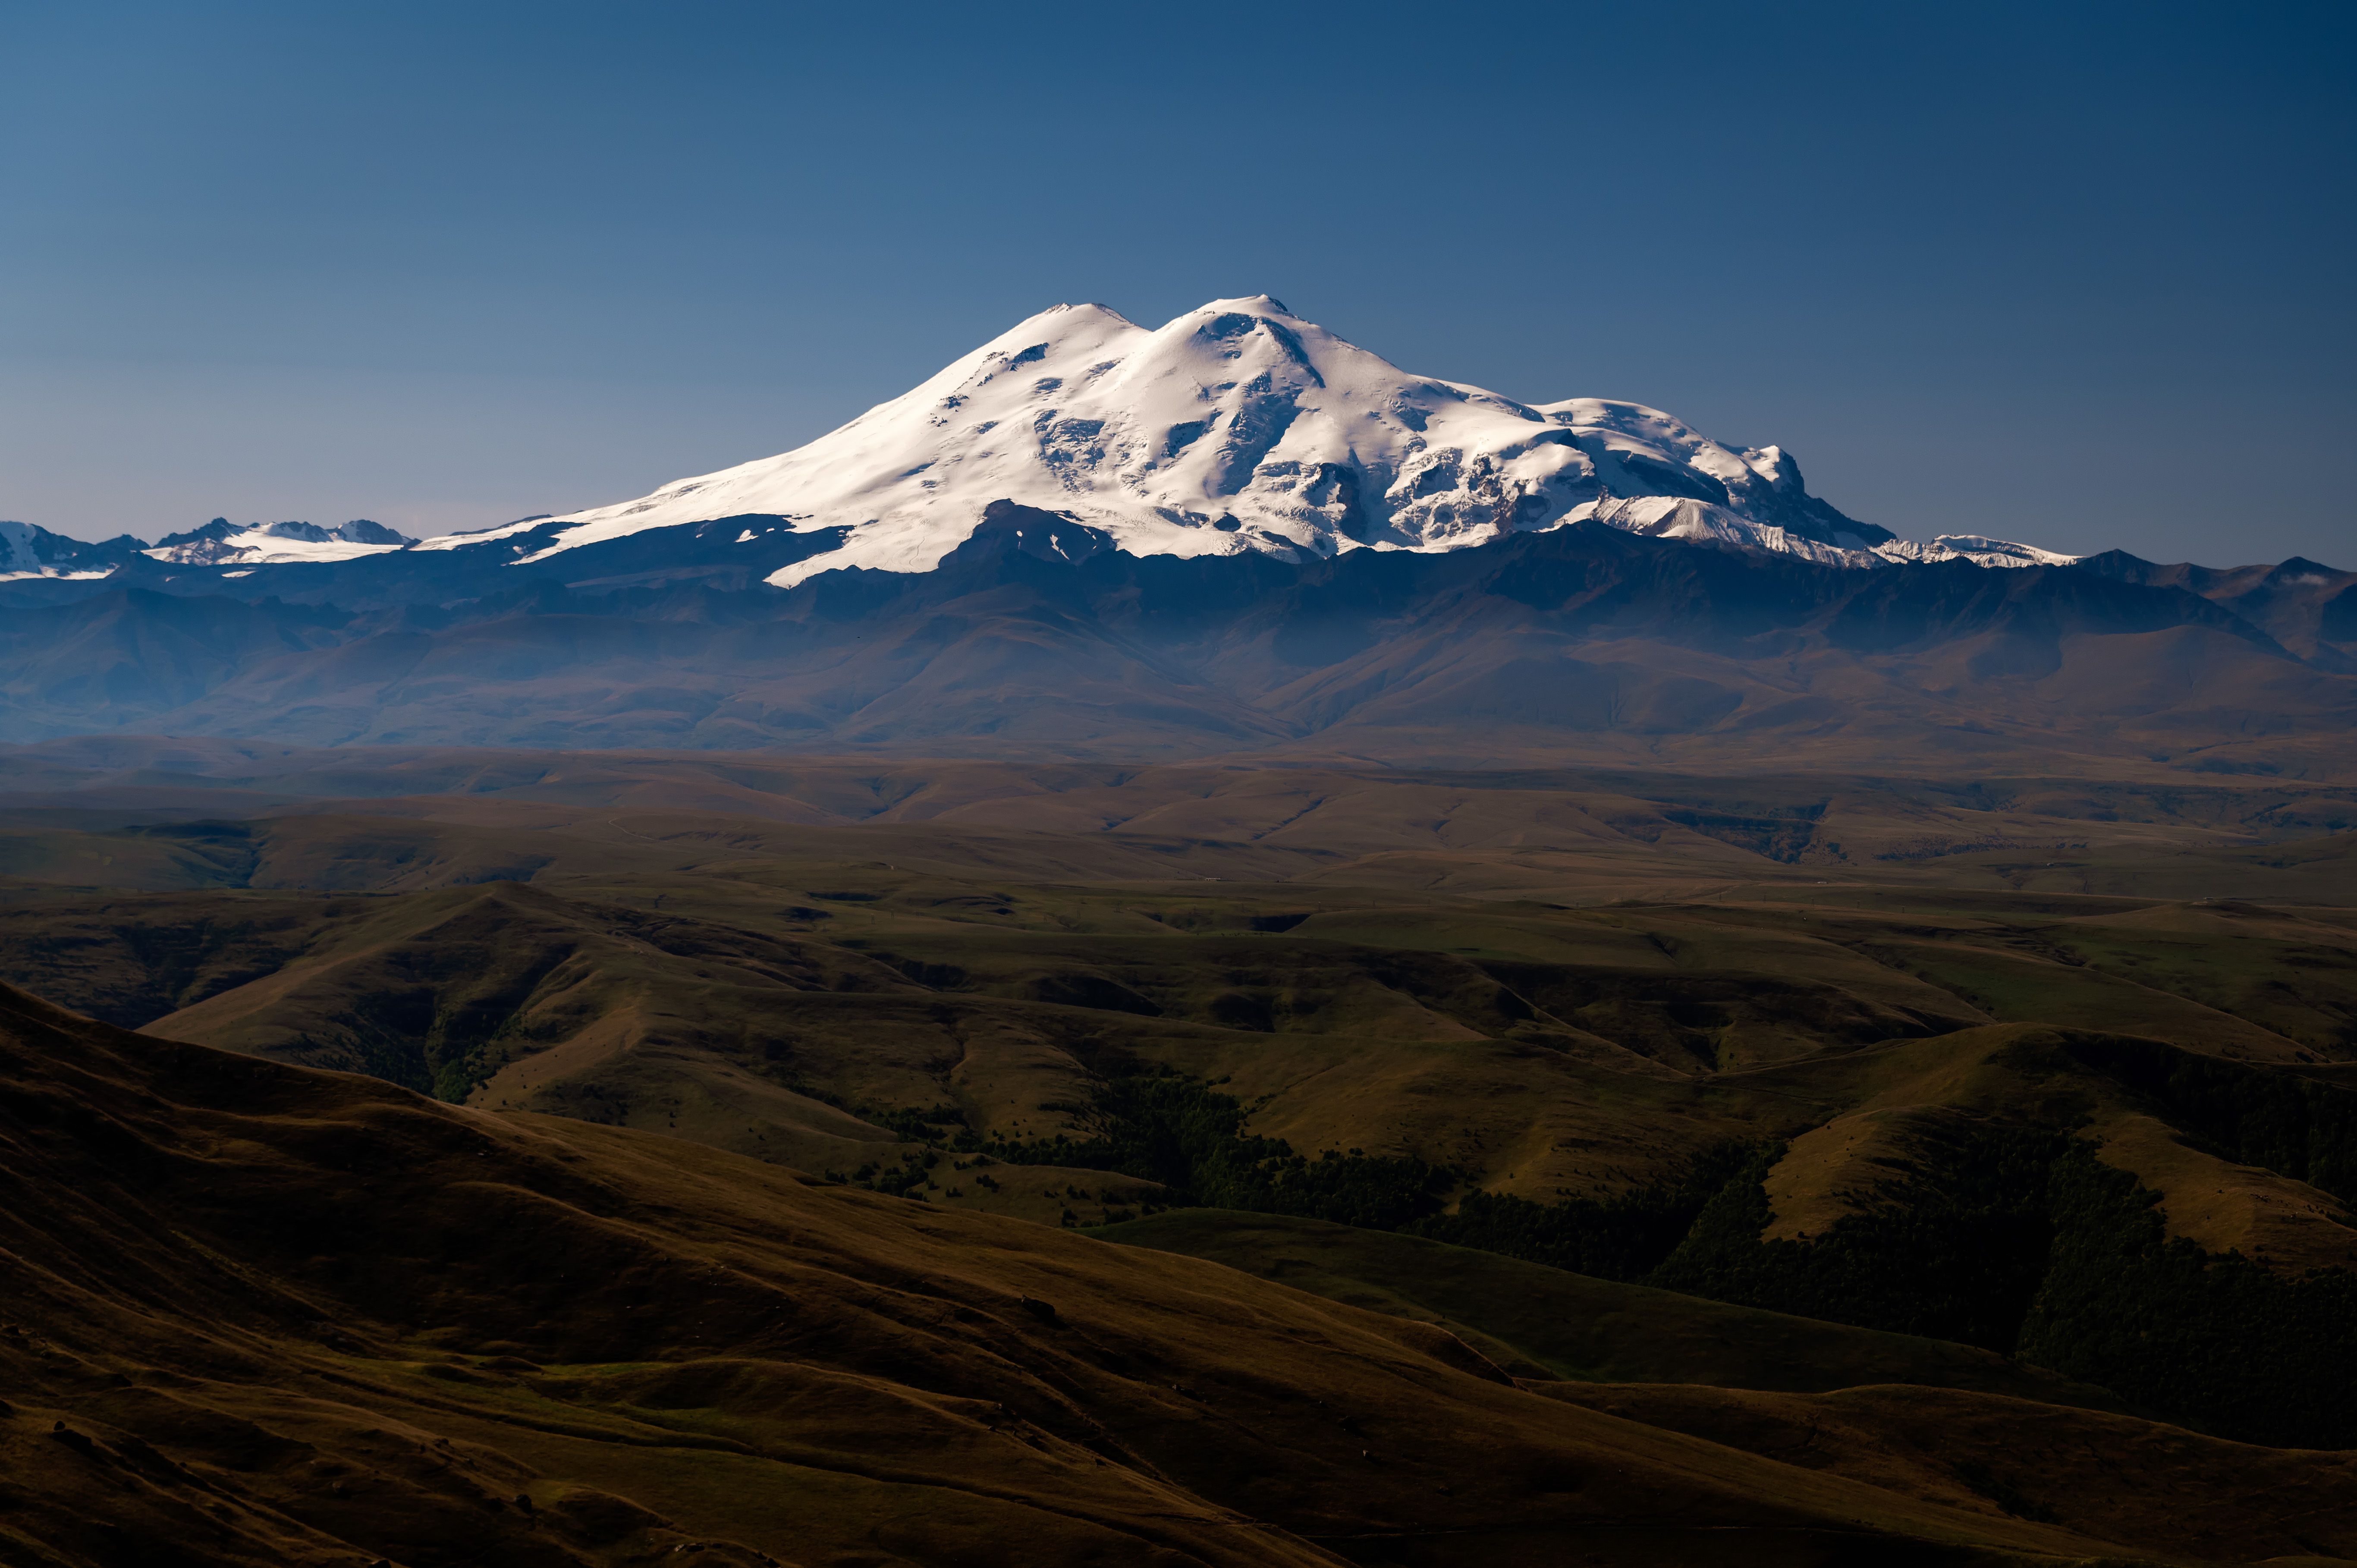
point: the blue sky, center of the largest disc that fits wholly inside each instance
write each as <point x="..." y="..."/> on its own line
<point x="2079" y="275"/>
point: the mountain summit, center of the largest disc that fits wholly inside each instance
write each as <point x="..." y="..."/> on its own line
<point x="1241" y="426"/>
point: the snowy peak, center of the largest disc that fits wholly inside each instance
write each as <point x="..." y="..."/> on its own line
<point x="221" y="544"/>
<point x="28" y="552"/>
<point x="1977" y="548"/>
<point x="1239" y="426"/>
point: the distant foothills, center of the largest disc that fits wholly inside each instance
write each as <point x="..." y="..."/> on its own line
<point x="1234" y="533"/>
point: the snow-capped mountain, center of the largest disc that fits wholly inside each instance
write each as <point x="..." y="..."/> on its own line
<point x="29" y="552"/>
<point x="221" y="544"/>
<point x="1242" y="426"/>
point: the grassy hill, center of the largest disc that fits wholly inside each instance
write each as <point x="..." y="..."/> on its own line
<point x="265" y="1314"/>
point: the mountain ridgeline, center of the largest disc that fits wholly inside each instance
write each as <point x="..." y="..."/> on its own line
<point x="1039" y="630"/>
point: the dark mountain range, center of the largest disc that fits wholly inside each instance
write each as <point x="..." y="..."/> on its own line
<point x="1585" y="640"/>
<point x="2310" y="608"/>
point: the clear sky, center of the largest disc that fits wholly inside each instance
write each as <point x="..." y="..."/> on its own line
<point x="2076" y="274"/>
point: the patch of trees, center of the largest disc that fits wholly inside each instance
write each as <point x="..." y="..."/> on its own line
<point x="1954" y="1250"/>
<point x="1187" y="1135"/>
<point x="913" y="1172"/>
<point x="2218" y="1341"/>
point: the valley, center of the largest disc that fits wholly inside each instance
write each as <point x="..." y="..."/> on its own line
<point x="1714" y="1109"/>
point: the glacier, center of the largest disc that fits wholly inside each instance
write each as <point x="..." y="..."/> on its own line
<point x="221" y="543"/>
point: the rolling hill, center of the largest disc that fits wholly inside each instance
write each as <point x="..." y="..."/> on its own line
<point x="264" y="1313"/>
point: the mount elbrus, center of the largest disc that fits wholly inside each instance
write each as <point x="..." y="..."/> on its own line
<point x="1241" y="426"/>
<point x="1236" y="531"/>
<point x="1237" y="427"/>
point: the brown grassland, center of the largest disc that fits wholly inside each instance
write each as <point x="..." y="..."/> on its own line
<point x="490" y="1158"/>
